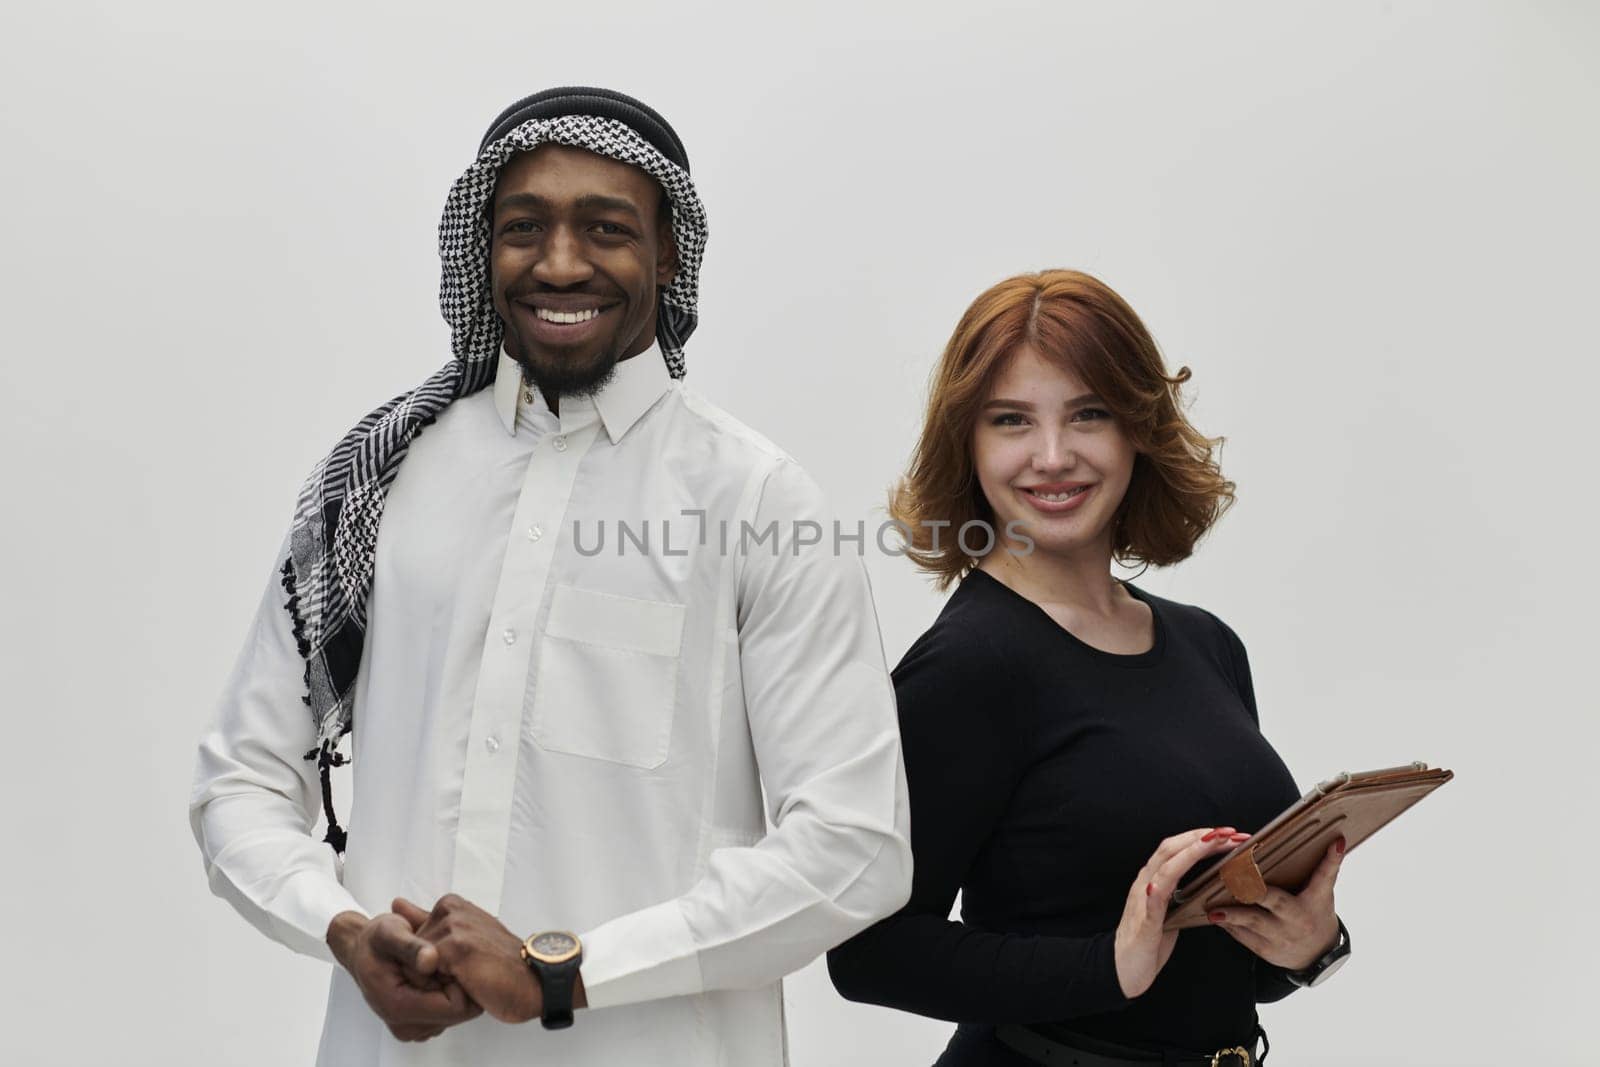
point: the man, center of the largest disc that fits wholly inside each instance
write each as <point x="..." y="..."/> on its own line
<point x="593" y="627"/>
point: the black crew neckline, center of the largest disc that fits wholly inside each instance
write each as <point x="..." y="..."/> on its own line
<point x="1146" y="658"/>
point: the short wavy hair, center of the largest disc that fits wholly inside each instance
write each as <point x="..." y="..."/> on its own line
<point x="1177" y="491"/>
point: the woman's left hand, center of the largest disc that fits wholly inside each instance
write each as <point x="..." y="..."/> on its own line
<point x="1290" y="930"/>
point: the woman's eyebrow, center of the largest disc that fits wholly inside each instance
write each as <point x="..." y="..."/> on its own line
<point x="1077" y="401"/>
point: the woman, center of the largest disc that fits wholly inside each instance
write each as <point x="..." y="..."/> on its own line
<point x="1074" y="745"/>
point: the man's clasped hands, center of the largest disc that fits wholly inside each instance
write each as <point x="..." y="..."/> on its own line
<point x="422" y="972"/>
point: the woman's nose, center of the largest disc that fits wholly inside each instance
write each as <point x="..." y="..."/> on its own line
<point x="1053" y="454"/>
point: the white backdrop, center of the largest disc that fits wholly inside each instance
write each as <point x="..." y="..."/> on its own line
<point x="1369" y="227"/>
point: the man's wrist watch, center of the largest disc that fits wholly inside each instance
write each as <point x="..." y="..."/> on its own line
<point x="1323" y="967"/>
<point x="554" y="955"/>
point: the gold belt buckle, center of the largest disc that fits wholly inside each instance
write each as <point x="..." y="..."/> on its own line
<point x="1244" y="1056"/>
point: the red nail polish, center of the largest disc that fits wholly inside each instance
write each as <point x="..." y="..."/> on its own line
<point x="1149" y="887"/>
<point x="1240" y="837"/>
<point x="1216" y="916"/>
<point x="1214" y="833"/>
<point x="1339" y="844"/>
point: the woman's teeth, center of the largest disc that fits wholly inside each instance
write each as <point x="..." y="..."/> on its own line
<point x="1057" y="498"/>
<point x="566" y="316"/>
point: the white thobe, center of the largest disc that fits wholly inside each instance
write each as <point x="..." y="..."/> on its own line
<point x="594" y="641"/>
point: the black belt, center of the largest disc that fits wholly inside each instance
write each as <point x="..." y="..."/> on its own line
<point x="1041" y="1049"/>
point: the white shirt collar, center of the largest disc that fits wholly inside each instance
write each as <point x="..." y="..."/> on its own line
<point x="635" y="386"/>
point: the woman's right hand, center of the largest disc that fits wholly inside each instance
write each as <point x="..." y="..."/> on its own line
<point x="1142" y="948"/>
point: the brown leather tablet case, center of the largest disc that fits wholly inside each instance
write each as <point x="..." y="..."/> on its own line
<point x="1284" y="852"/>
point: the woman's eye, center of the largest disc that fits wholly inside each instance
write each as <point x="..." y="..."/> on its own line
<point x="1009" y="418"/>
<point x="1091" y="414"/>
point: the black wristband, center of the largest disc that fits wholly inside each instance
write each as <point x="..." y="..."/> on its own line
<point x="1324" y="966"/>
<point x="558" y="980"/>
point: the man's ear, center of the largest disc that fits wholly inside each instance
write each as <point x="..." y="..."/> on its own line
<point x="666" y="254"/>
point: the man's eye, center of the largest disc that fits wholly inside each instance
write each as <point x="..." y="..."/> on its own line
<point x="519" y="226"/>
<point x="611" y="229"/>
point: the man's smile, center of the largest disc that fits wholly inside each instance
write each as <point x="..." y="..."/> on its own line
<point x="562" y="320"/>
<point x="566" y="316"/>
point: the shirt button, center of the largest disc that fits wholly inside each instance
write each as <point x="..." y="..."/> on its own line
<point x="509" y="636"/>
<point x="534" y="533"/>
<point x="561" y="444"/>
<point x="492" y="743"/>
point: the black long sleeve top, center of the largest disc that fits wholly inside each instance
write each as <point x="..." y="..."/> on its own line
<point x="1043" y="773"/>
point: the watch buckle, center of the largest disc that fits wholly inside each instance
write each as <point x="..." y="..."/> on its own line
<point x="1237" y="1050"/>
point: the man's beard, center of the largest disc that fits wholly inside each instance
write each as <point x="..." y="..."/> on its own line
<point x="564" y="377"/>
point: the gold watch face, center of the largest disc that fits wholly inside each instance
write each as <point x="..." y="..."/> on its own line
<point x="552" y="946"/>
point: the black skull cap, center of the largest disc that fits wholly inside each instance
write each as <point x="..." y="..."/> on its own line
<point x="587" y="100"/>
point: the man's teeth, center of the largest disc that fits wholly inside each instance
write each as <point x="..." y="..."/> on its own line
<point x="1057" y="498"/>
<point x="566" y="316"/>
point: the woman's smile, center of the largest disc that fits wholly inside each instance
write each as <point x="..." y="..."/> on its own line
<point x="1056" y="499"/>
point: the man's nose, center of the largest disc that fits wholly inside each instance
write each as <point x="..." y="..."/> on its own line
<point x="562" y="262"/>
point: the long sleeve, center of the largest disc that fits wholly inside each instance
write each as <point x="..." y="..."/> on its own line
<point x="821" y="717"/>
<point x="1271" y="981"/>
<point x="254" y="802"/>
<point x="962" y="761"/>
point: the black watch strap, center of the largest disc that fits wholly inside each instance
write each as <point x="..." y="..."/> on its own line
<point x="558" y="980"/>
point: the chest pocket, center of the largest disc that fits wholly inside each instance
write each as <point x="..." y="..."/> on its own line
<point x="607" y="679"/>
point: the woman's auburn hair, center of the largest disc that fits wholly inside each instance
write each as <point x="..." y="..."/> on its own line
<point x="1177" y="491"/>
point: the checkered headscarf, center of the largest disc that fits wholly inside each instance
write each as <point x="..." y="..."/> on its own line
<point x="328" y="572"/>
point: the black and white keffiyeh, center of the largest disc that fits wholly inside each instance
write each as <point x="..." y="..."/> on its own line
<point x="328" y="572"/>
